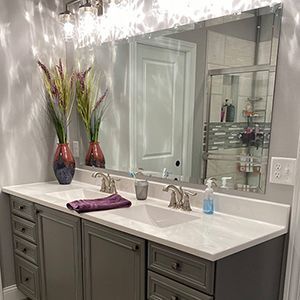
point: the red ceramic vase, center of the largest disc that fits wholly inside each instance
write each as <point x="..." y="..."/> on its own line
<point x="94" y="156"/>
<point x="64" y="164"/>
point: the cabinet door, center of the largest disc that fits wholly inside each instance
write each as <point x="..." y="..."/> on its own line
<point x="114" y="264"/>
<point x="59" y="243"/>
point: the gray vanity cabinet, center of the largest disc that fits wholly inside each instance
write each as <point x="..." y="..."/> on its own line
<point x="59" y="256"/>
<point x="59" y="244"/>
<point x="252" y="274"/>
<point x="114" y="264"/>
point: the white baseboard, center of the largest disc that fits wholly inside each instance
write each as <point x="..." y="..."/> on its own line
<point x="12" y="293"/>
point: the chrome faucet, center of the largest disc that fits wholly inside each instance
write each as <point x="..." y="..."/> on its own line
<point x="180" y="199"/>
<point x="108" y="184"/>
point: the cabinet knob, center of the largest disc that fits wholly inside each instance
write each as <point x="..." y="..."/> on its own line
<point x="135" y="247"/>
<point x="176" y="266"/>
<point x="23" y="229"/>
<point x="174" y="298"/>
<point x="26" y="279"/>
<point x="24" y="250"/>
<point x="21" y="207"/>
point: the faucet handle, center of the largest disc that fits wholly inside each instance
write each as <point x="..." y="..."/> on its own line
<point x="189" y="193"/>
<point x="115" y="178"/>
<point x="186" y="206"/>
<point x="103" y="185"/>
<point x="112" y="185"/>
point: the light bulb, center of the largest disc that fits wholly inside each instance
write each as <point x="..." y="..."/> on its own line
<point x="87" y="24"/>
<point x="67" y="20"/>
<point x="68" y="30"/>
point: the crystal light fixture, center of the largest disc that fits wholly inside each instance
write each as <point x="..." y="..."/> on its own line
<point x="125" y="18"/>
<point x="82" y="23"/>
<point x="87" y="24"/>
<point x="67" y="20"/>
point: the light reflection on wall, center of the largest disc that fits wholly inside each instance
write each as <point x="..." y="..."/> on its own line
<point x="126" y="18"/>
<point x="28" y="30"/>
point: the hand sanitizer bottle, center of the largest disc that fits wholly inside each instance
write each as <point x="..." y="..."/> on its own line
<point x="208" y="202"/>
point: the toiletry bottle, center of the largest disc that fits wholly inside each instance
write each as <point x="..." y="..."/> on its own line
<point x="251" y="164"/>
<point x="248" y="109"/>
<point x="243" y="159"/>
<point x="165" y="173"/>
<point x="230" y="112"/>
<point x="224" y="111"/>
<point x="208" y="202"/>
<point x="222" y="114"/>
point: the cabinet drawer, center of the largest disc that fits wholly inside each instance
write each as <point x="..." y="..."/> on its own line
<point x="188" y="269"/>
<point x="27" y="278"/>
<point x="25" y="249"/>
<point x="24" y="228"/>
<point x="162" y="288"/>
<point x="22" y="208"/>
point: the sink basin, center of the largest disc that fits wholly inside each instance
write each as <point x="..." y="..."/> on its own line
<point x="155" y="216"/>
<point x="70" y="195"/>
<point x="145" y="213"/>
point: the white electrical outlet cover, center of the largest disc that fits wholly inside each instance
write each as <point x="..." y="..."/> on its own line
<point x="283" y="170"/>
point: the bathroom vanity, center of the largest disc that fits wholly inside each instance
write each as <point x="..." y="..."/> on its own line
<point x="147" y="251"/>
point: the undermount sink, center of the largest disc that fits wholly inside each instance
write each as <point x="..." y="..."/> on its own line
<point x="145" y="213"/>
<point x="153" y="215"/>
<point x="77" y="194"/>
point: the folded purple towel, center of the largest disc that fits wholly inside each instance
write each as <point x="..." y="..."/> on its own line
<point x="110" y="202"/>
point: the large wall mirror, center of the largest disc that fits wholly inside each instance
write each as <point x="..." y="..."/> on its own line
<point x="191" y="102"/>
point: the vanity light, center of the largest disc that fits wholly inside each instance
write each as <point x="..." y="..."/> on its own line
<point x="126" y="18"/>
<point x="86" y="18"/>
<point x="67" y="20"/>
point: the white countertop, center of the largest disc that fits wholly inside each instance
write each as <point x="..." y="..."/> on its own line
<point x="208" y="236"/>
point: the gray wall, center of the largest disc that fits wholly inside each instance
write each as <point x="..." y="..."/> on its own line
<point x="27" y="141"/>
<point x="111" y="61"/>
<point x="286" y="111"/>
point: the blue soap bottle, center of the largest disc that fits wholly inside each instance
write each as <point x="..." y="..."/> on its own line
<point x="208" y="202"/>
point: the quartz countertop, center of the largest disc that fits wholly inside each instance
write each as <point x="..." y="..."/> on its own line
<point x="211" y="237"/>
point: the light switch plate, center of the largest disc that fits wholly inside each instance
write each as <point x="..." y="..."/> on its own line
<point x="283" y="170"/>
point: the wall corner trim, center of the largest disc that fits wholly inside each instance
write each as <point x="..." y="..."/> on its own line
<point x="12" y="293"/>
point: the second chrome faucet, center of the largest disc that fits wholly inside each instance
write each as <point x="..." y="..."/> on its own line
<point x="180" y="198"/>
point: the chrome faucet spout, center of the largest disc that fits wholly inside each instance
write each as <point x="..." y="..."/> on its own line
<point x="100" y="174"/>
